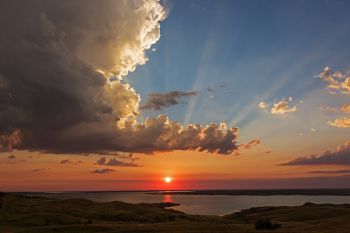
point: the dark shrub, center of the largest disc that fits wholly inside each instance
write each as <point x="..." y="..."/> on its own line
<point x="265" y="224"/>
<point x="47" y="222"/>
<point x="89" y="221"/>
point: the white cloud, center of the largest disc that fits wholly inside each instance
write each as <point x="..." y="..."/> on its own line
<point x="337" y="81"/>
<point x="282" y="107"/>
<point x="340" y="122"/>
<point x="263" y="105"/>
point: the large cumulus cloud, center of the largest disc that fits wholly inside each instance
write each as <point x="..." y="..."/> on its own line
<point x="62" y="65"/>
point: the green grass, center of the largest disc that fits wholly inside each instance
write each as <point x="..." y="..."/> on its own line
<point x="20" y="214"/>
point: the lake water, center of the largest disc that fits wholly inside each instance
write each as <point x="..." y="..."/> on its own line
<point x="205" y="204"/>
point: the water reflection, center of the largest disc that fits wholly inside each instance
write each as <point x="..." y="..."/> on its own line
<point x="167" y="198"/>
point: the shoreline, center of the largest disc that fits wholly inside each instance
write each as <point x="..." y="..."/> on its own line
<point x="231" y="192"/>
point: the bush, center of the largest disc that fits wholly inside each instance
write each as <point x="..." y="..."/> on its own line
<point x="265" y="224"/>
<point x="89" y="221"/>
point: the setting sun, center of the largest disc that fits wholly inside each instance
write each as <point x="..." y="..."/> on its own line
<point x="168" y="179"/>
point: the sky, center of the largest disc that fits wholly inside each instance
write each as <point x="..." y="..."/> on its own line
<point x="117" y="95"/>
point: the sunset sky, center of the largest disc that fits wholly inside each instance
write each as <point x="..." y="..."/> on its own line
<point x="118" y="94"/>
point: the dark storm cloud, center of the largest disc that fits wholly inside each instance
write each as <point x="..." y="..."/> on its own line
<point x="158" y="101"/>
<point x="56" y="91"/>
<point x="341" y="156"/>
<point x="47" y="87"/>
<point x="103" y="171"/>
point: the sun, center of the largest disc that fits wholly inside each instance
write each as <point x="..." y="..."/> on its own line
<point x="168" y="179"/>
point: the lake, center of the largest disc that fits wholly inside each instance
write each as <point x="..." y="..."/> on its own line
<point x="204" y="204"/>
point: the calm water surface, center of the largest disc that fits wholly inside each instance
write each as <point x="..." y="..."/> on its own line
<point x="205" y="204"/>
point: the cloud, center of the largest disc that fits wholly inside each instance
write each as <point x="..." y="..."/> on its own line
<point x="251" y="144"/>
<point x="337" y="81"/>
<point x="330" y="172"/>
<point x="263" y="105"/>
<point x="67" y="161"/>
<point x="62" y="89"/>
<point x="340" y="122"/>
<point x="345" y="108"/>
<point x="103" y="171"/>
<point x="63" y="69"/>
<point x="282" y="107"/>
<point x="158" y="101"/>
<point x="40" y="169"/>
<point x="210" y="89"/>
<point x="328" y="109"/>
<point x="9" y="139"/>
<point x="341" y="156"/>
<point x="121" y="162"/>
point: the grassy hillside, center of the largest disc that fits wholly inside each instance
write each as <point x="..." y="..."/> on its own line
<point x="41" y="215"/>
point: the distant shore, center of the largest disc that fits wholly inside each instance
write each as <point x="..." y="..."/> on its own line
<point x="262" y="192"/>
<point x="231" y="192"/>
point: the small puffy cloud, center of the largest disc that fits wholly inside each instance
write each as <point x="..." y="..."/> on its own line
<point x="263" y="105"/>
<point x="67" y="161"/>
<point x="282" y="107"/>
<point x="101" y="161"/>
<point x="40" y="169"/>
<point x="340" y="123"/>
<point x="121" y="162"/>
<point x="103" y="171"/>
<point x="158" y="101"/>
<point x="251" y="144"/>
<point x="341" y="156"/>
<point x="210" y="89"/>
<point x="345" y="108"/>
<point x="337" y="81"/>
<point x="328" y="109"/>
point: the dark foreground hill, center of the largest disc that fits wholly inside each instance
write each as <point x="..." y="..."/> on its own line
<point x="41" y="215"/>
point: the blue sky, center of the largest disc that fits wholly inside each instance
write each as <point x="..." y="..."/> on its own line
<point x="257" y="50"/>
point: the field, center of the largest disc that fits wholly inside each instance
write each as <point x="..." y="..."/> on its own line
<point x="42" y="215"/>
